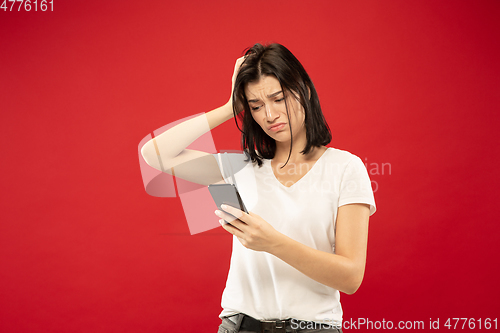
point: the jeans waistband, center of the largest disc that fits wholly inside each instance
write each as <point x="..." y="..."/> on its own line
<point x="244" y="322"/>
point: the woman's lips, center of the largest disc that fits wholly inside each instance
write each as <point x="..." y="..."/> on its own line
<point x="277" y="127"/>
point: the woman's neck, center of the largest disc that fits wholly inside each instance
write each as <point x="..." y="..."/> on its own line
<point x="283" y="150"/>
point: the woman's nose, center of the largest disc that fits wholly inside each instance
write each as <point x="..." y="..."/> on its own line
<point x="271" y="114"/>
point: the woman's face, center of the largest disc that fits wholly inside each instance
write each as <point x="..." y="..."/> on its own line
<point x="267" y="105"/>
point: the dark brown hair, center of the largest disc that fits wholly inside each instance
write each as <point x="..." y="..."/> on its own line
<point x="276" y="60"/>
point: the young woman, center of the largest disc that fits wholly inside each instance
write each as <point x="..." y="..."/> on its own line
<point x="305" y="238"/>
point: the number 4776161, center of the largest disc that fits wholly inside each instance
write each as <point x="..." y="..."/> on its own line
<point x="27" y="5"/>
<point x="471" y="323"/>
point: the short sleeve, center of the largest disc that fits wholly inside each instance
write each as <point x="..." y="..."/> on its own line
<point x="355" y="186"/>
<point x="230" y="164"/>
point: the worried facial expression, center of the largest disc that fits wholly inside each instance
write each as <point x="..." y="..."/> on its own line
<point x="268" y="105"/>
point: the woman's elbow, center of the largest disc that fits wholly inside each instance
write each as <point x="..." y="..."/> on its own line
<point x="353" y="283"/>
<point x="352" y="288"/>
<point x="149" y="155"/>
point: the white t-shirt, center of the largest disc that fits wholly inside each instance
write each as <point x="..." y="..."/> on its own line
<point x="265" y="287"/>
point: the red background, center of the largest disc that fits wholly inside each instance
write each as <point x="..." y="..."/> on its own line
<point x="85" y="249"/>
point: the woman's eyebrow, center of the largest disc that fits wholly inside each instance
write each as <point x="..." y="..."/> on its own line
<point x="268" y="96"/>
<point x="274" y="94"/>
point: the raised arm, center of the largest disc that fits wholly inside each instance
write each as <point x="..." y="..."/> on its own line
<point x="167" y="152"/>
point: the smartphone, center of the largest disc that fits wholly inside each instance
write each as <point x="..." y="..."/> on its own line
<point x="226" y="194"/>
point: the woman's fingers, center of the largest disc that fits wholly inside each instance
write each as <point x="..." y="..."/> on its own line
<point x="237" y="66"/>
<point x="231" y="229"/>
<point x="252" y="231"/>
<point x="234" y="218"/>
<point x="235" y="212"/>
<point x="238" y="63"/>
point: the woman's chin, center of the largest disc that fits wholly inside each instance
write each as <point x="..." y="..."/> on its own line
<point x="279" y="136"/>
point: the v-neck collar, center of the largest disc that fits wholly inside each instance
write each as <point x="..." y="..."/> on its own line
<point x="301" y="178"/>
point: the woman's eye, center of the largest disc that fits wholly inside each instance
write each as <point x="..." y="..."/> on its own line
<point x="280" y="100"/>
<point x="255" y="108"/>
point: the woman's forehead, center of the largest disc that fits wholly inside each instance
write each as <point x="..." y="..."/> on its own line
<point x="266" y="86"/>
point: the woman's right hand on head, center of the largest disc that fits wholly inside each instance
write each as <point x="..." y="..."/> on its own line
<point x="237" y="66"/>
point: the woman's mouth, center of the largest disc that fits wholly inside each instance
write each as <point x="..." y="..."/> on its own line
<point x="277" y="127"/>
